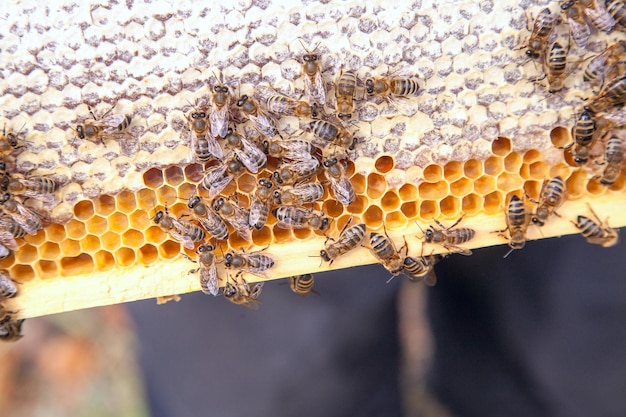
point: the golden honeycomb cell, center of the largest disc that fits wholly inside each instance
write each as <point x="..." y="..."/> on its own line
<point x="139" y="220"/>
<point x="494" y="165"/>
<point x="70" y="247"/>
<point x="433" y="191"/>
<point x="373" y="216"/>
<point x="262" y="237"/>
<point x="433" y="173"/>
<point x="83" y="210"/>
<point x="49" y="251"/>
<point x="358" y="183"/>
<point x="560" y="137"/>
<point x="450" y="206"/>
<point x="46" y="269"/>
<point x="461" y="187"/>
<point x="247" y="183"/>
<point x="147" y="254"/>
<point x="26" y="254"/>
<point x="153" y="178"/>
<point x="105" y="205"/>
<point x="174" y="175"/>
<point x="493" y="202"/>
<point x="110" y="241"/>
<point x="194" y="172"/>
<point x="452" y="171"/>
<point x="471" y="204"/>
<point x="376" y="186"/>
<point x="408" y="192"/>
<point x="384" y="164"/>
<point x="473" y="169"/>
<point x="126" y="202"/>
<point x="97" y="225"/>
<point x="155" y="235"/>
<point x="23" y="273"/>
<point x="429" y="209"/>
<point x="133" y="238"/>
<point x="146" y="199"/>
<point x="36" y="239"/>
<point x="358" y="205"/>
<point x="166" y="196"/>
<point x="513" y="162"/>
<point x="484" y="184"/>
<point x="594" y="187"/>
<point x="410" y="209"/>
<point x="75" y="265"/>
<point x="104" y="260"/>
<point x="75" y="229"/>
<point x="90" y="244"/>
<point x="508" y="182"/>
<point x="390" y="201"/>
<point x="125" y="256"/>
<point x="395" y="220"/>
<point x="301" y="234"/>
<point x="332" y="208"/>
<point x="501" y="146"/>
<point x="55" y="233"/>
<point x="576" y="184"/>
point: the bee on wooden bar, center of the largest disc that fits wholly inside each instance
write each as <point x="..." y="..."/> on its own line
<point x="421" y="268"/>
<point x="254" y="263"/>
<point x="551" y="197"/>
<point x="328" y="133"/>
<point x="296" y="172"/>
<point x="23" y="216"/>
<point x="540" y="36"/>
<point x="597" y="233"/>
<point x="448" y="238"/>
<point x="302" y="284"/>
<point x="7" y="286"/>
<point x="341" y="185"/>
<point x="238" y="217"/>
<point x="260" y="206"/>
<point x="314" y="89"/>
<point x="211" y="221"/>
<point x="241" y="293"/>
<point x="184" y="232"/>
<point x="262" y="121"/>
<point x="349" y="239"/>
<point x="203" y="144"/>
<point x="613" y="158"/>
<point x="385" y="251"/>
<point x="11" y="331"/>
<point x="219" y="176"/>
<point x="296" y="217"/>
<point x="209" y="281"/>
<point x="107" y="126"/>
<point x="299" y="194"/>
<point x="517" y="221"/>
<point x="220" y="105"/>
<point x="345" y="91"/>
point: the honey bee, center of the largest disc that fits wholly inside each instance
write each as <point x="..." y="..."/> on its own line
<point x="240" y="292"/>
<point x="613" y="157"/>
<point x="296" y="172"/>
<point x="8" y="141"/>
<point x="551" y="197"/>
<point x="261" y="120"/>
<point x="295" y="149"/>
<point x="595" y="12"/>
<point x="349" y="238"/>
<point x="421" y="268"/>
<point x="606" y="122"/>
<point x="220" y="104"/>
<point x="314" y="89"/>
<point x="540" y="35"/>
<point x="32" y="186"/>
<point x="555" y="66"/>
<point x="209" y="281"/>
<point x="203" y="144"/>
<point x="583" y="133"/>
<point x="9" y="231"/>
<point x="296" y="217"/>
<point x="254" y="263"/>
<point x="211" y="222"/>
<point x="604" y="63"/>
<point x="11" y="331"/>
<point x="517" y="220"/>
<point x="185" y="232"/>
<point x="299" y="194"/>
<point x="5" y="177"/>
<point x="597" y="233"/>
<point x="328" y="133"/>
<point x="302" y="284"/>
<point x="613" y="94"/>
<point x="448" y="238"/>
<point x="617" y="9"/>
<point x="579" y="29"/>
<point x="260" y="206"/>
<point x="107" y="126"/>
<point x="251" y="156"/>
<point x="23" y="216"/>
<point x="384" y="250"/>
<point x="286" y="106"/>
<point x="5" y="315"/>
<point x="341" y="185"/>
<point x="238" y="217"/>
<point x="219" y="176"/>
<point x="7" y="286"/>
<point x="345" y="91"/>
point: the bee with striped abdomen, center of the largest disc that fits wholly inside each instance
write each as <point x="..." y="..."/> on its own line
<point x="217" y="177"/>
<point x="220" y="106"/>
<point x="302" y="284"/>
<point x="239" y="292"/>
<point x="255" y="263"/>
<point x="517" y="221"/>
<point x="299" y="194"/>
<point x="104" y="127"/>
<point x="23" y="216"/>
<point x="262" y="121"/>
<point x="327" y="133"/>
<point x="209" y="281"/>
<point x="296" y="217"/>
<point x="345" y="91"/>
<point x="449" y="238"/>
<point x="540" y="36"/>
<point x="314" y="89"/>
<point x="238" y="217"/>
<point x="203" y="145"/>
<point x="597" y="233"/>
<point x="551" y="197"/>
<point x="207" y="218"/>
<point x="260" y="206"/>
<point x="613" y="158"/>
<point x="341" y="185"/>
<point x="349" y="239"/>
<point x="182" y="231"/>
<point x="7" y="286"/>
<point x="383" y="249"/>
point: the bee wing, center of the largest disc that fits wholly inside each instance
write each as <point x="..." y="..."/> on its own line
<point x="214" y="148"/>
<point x="315" y="92"/>
<point x="251" y="156"/>
<point x="403" y="105"/>
<point x="185" y="240"/>
<point x="218" y="186"/>
<point x="218" y="119"/>
<point x="600" y="17"/>
<point x="297" y="150"/>
<point x="255" y="292"/>
<point x="344" y="191"/>
<point x="264" y="123"/>
<point x="112" y="121"/>
<point x="256" y="209"/>
<point x="29" y="221"/>
<point x="4" y="251"/>
<point x="209" y="281"/>
<point x="580" y="32"/>
<point x="7" y="240"/>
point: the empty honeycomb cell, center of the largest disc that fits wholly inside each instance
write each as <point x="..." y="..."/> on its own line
<point x="429" y="209"/>
<point x="619" y="183"/>
<point x="484" y="184"/>
<point x="433" y="191"/>
<point x="110" y="241"/>
<point x="395" y="220"/>
<point x="26" y="254"/>
<point x="450" y="206"/>
<point x="461" y="187"/>
<point x="105" y="205"/>
<point x="22" y="273"/>
<point x="81" y="264"/>
<point x="358" y="205"/>
<point x="433" y="173"/>
<point x="104" y="260"/>
<point x="83" y="210"/>
<point x="410" y="209"/>
<point x="247" y="183"/>
<point x="594" y="187"/>
<point x="494" y="165"/>
<point x="75" y="229"/>
<point x="174" y="175"/>
<point x="373" y="217"/>
<point x="55" y="232"/>
<point x="302" y="234"/>
<point x="194" y="172"/>
<point x="358" y="183"/>
<point x="49" y="251"/>
<point x="560" y="137"/>
<point x="349" y="169"/>
<point x="125" y="257"/>
<point x="97" y="225"/>
<point x="262" y="237"/>
<point x="452" y="171"/>
<point x="473" y="169"/>
<point x="8" y="261"/>
<point x="471" y="204"/>
<point x="501" y="146"/>
<point x="524" y="172"/>
<point x="126" y="202"/>
<point x="118" y="222"/>
<point x="36" y="239"/>
<point x="169" y="249"/>
<point x="146" y="199"/>
<point x="280" y="234"/>
<point x="569" y="158"/>
<point x="332" y="208"/>
<point x="513" y="162"/>
<point x="153" y="178"/>
<point x="509" y="182"/>
<point x="90" y="244"/>
<point x="46" y="269"/>
<point x="539" y="170"/>
<point x="133" y="238"/>
<point x="384" y="164"/>
<point x="531" y="156"/>
<point x="236" y="241"/>
<point x="342" y="222"/>
<point x="155" y="235"/>
<point x="139" y="220"/>
<point x="408" y="192"/>
<point x="494" y="203"/>
<point x="376" y="186"/>
<point x="559" y="169"/>
<point x="532" y="189"/>
<point x="70" y="247"/>
<point x="186" y="190"/>
<point x="576" y="184"/>
<point x="390" y="201"/>
<point x="166" y="195"/>
<point x="147" y="254"/>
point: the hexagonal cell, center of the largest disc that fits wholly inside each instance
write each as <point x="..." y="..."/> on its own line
<point x="429" y="209"/>
<point x="433" y="191"/>
<point x="139" y="220"/>
<point x="166" y="195"/>
<point x="49" y="251"/>
<point x="81" y="264"/>
<point x="509" y="182"/>
<point x="194" y="172"/>
<point x="262" y="237"/>
<point x="302" y="234"/>
<point x="452" y="171"/>
<point x="513" y="162"/>
<point x="118" y="222"/>
<point x="501" y="146"/>
<point x="174" y="175"/>
<point x="105" y="205"/>
<point x="461" y="187"/>
<point x="8" y="262"/>
<point x="36" y="239"/>
<point x="471" y="204"/>
<point x="169" y="249"/>
<point x="126" y="202"/>
<point x="384" y="164"/>
<point x="133" y="238"/>
<point x="532" y="189"/>
<point x="27" y="254"/>
<point x="484" y="184"/>
<point x="433" y="173"/>
<point x="155" y="235"/>
<point x="349" y="169"/>
<point x="147" y="254"/>
<point x="46" y="269"/>
<point x="90" y="244"/>
<point x="450" y="206"/>
<point x="560" y="137"/>
<point x="75" y="229"/>
<point x="237" y="241"/>
<point x="125" y="256"/>
<point x="569" y="158"/>
<point x="69" y="247"/>
<point x="22" y="273"/>
<point x="373" y="217"/>
<point x="538" y="170"/>
<point x="376" y="185"/>
<point x="83" y="210"/>
<point x="146" y="199"/>
<point x="104" y="260"/>
<point x="494" y="202"/>
<point x="395" y="220"/>
<point x="97" y="225"/>
<point x="358" y="205"/>
<point x="153" y="178"/>
<point x="576" y="184"/>
<point x="494" y="165"/>
<point x="408" y="192"/>
<point x="410" y="209"/>
<point x="55" y="232"/>
<point x="247" y="183"/>
<point x="595" y="188"/>
<point x="531" y="156"/>
<point x="390" y="201"/>
<point x="110" y="241"/>
<point x="332" y="208"/>
<point x="358" y="183"/>
<point x="619" y="183"/>
<point x="473" y="169"/>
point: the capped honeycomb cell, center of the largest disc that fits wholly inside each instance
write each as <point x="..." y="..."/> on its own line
<point x="429" y="209"/>
<point x="501" y="146"/>
<point x="75" y="229"/>
<point x="174" y="175"/>
<point x="471" y="204"/>
<point x="133" y="239"/>
<point x="373" y="217"/>
<point x="49" y="251"/>
<point x="433" y="191"/>
<point x="433" y="173"/>
<point x="376" y="186"/>
<point x="452" y="171"/>
<point x="410" y="209"/>
<point x="110" y="241"/>
<point x="46" y="269"/>
<point x="384" y="164"/>
<point x="83" y="210"/>
<point x="126" y="202"/>
<point x="125" y="256"/>
<point x="81" y="264"/>
<point x="450" y="206"/>
<point x="104" y="260"/>
<point x="105" y="205"/>
<point x="55" y="233"/>
<point x="494" y="165"/>
<point x="473" y="169"/>
<point x="390" y="201"/>
<point x="153" y="178"/>
<point x="97" y="225"/>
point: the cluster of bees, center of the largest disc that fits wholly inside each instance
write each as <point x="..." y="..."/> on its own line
<point x="16" y="221"/>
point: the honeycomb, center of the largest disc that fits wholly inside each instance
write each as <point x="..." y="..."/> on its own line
<point x="480" y="131"/>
